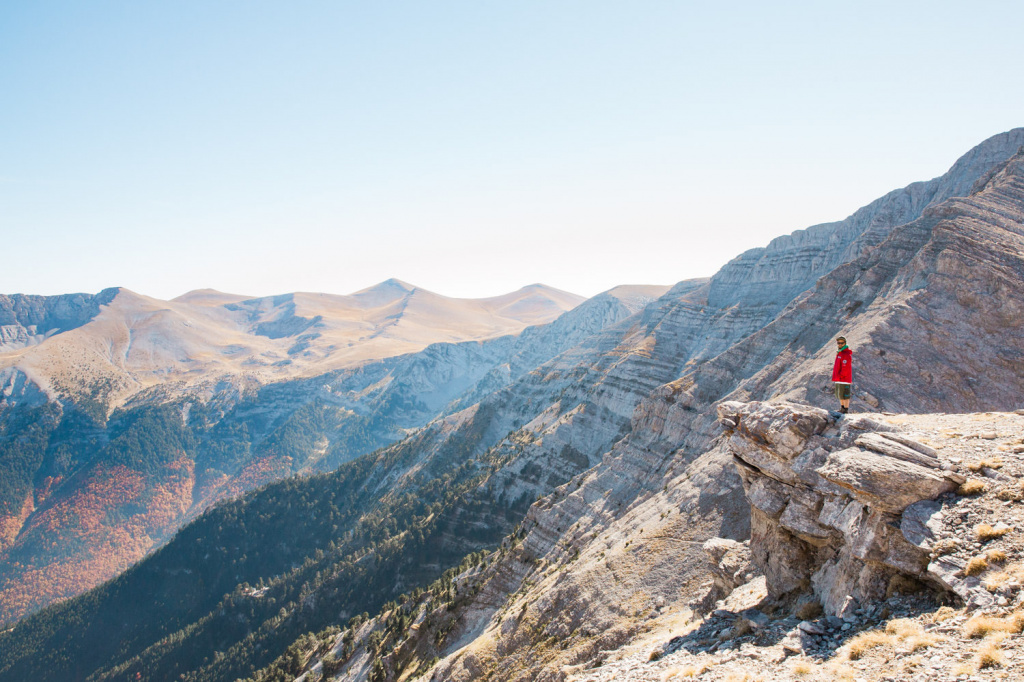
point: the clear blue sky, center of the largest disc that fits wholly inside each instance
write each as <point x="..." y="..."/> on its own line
<point x="467" y="147"/>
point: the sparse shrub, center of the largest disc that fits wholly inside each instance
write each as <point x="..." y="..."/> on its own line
<point x="945" y="546"/>
<point x="655" y="655"/>
<point x="972" y="487"/>
<point x="985" y="532"/>
<point x="976" y="565"/>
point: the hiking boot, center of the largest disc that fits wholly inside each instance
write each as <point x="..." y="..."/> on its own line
<point x="844" y="410"/>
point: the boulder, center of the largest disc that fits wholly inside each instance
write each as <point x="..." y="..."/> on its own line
<point x="881" y="482"/>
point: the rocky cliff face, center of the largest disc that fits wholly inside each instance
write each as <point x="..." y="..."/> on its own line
<point x="898" y="294"/>
<point x="840" y="508"/>
<point x="28" y="320"/>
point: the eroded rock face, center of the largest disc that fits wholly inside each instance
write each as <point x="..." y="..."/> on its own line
<point x="730" y="563"/>
<point x="838" y="508"/>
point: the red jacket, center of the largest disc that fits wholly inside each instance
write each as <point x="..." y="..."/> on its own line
<point x="842" y="371"/>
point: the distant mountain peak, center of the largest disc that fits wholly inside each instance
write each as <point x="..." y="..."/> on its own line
<point x="390" y="284"/>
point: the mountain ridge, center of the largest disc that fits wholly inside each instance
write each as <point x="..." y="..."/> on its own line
<point x="606" y="453"/>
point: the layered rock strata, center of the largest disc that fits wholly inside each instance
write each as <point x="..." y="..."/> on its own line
<point x="840" y="507"/>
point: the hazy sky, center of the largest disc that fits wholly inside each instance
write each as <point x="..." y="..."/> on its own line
<point x="467" y="147"/>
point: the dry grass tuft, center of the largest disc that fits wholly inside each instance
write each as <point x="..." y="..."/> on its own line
<point x="985" y="532"/>
<point x="995" y="581"/>
<point x="990" y="654"/>
<point x="911" y="634"/>
<point x="902" y="627"/>
<point x="987" y="463"/>
<point x="694" y="670"/>
<point x="972" y="487"/>
<point x="809" y="610"/>
<point x="922" y="641"/>
<point x="983" y="626"/>
<point x="1011" y="493"/>
<point x="866" y="641"/>
<point x="901" y="584"/>
<point x="978" y="564"/>
<point x="801" y="668"/>
<point x="965" y="668"/>
<point x="839" y="672"/>
<point x="943" y="614"/>
<point x="996" y="555"/>
<point x="945" y="546"/>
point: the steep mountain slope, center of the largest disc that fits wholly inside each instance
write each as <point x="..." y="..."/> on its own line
<point x="83" y="495"/>
<point x="620" y="425"/>
<point x="912" y="309"/>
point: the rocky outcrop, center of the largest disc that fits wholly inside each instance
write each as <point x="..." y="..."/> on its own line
<point x="729" y="562"/>
<point x="840" y="508"/>
<point x="27" y="320"/>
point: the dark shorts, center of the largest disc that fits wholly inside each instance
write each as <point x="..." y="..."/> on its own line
<point x="843" y="391"/>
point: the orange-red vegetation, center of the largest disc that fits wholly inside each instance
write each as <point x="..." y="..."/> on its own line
<point x="10" y="524"/>
<point x="90" y="535"/>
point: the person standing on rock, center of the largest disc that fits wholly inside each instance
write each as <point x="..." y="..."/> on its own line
<point x="842" y="374"/>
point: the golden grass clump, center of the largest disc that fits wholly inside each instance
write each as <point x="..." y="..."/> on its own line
<point x="694" y="670"/>
<point x="801" y="667"/>
<point x="902" y="627"/>
<point x="911" y="634"/>
<point x="989" y="463"/>
<point x="965" y="668"/>
<point x="983" y="626"/>
<point x="990" y="654"/>
<point x="996" y="555"/>
<point x="866" y="641"/>
<point x="922" y="641"/>
<point x="945" y="546"/>
<point x="839" y="672"/>
<point x="995" y="581"/>
<point x="943" y="614"/>
<point x="976" y="565"/>
<point x="972" y="487"/>
<point x="1011" y="493"/>
<point x="985" y="532"/>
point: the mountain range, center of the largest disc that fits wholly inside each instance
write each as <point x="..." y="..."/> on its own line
<point x="513" y="508"/>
